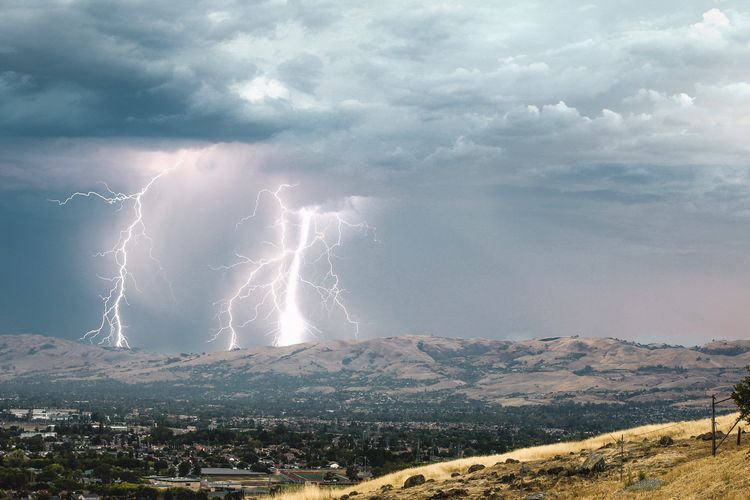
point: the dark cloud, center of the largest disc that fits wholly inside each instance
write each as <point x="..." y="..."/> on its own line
<point x="139" y="70"/>
<point x="535" y="166"/>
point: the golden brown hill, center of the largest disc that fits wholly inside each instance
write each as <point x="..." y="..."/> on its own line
<point x="652" y="467"/>
<point x="495" y="372"/>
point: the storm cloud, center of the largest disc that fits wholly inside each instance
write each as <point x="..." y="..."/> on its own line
<point x="533" y="168"/>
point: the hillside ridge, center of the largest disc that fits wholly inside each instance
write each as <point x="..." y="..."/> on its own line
<point x="497" y="372"/>
<point x="658" y="461"/>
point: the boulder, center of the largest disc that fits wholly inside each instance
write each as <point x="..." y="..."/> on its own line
<point x="414" y="481"/>
<point x="508" y="478"/>
<point x="554" y="471"/>
<point x="475" y="468"/>
<point x="386" y="487"/>
<point x="645" y="485"/>
<point x="457" y="493"/>
<point x="666" y="441"/>
<point x="593" y="463"/>
<point x="448" y="494"/>
<point x="511" y="461"/>
<point x="707" y="436"/>
<point x="540" y="495"/>
<point x="455" y="474"/>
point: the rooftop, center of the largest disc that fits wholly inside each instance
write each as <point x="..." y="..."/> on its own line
<point x="226" y="471"/>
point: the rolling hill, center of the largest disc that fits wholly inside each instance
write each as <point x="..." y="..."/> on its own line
<point x="495" y="372"/>
<point x="658" y="461"/>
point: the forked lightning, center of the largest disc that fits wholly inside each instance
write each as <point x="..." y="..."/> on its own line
<point x="111" y="329"/>
<point x="305" y="237"/>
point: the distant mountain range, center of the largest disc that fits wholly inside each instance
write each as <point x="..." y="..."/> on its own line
<point x="493" y="372"/>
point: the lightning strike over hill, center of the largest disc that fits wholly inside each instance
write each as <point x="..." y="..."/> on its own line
<point x="306" y="243"/>
<point x="111" y="329"/>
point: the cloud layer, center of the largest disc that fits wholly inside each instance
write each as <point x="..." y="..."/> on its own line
<point x="539" y="167"/>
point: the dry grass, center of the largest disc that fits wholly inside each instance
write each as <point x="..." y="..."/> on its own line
<point x="311" y="492"/>
<point x="441" y="471"/>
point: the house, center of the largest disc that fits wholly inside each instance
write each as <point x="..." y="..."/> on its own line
<point x="225" y="471"/>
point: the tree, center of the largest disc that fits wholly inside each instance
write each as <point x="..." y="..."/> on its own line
<point x="103" y="472"/>
<point x="13" y="479"/>
<point x="184" y="468"/>
<point x="260" y="467"/>
<point x="352" y="472"/>
<point x="160" y="465"/>
<point x="16" y="458"/>
<point x="741" y="396"/>
<point x="161" y="435"/>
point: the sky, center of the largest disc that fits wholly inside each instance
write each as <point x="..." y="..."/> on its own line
<point x="525" y="168"/>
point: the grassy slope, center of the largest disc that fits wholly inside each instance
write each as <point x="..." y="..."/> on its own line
<point x="695" y="475"/>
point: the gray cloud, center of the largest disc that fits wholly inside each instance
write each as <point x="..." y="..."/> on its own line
<point x="539" y="167"/>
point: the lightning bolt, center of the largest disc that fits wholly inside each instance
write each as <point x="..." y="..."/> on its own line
<point x="273" y="284"/>
<point x="111" y="328"/>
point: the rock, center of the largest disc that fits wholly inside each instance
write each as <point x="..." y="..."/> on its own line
<point x="594" y="463"/>
<point x="645" y="485"/>
<point x="666" y="441"/>
<point x="451" y="493"/>
<point x="540" y="495"/>
<point x="528" y="485"/>
<point x="414" y="481"/>
<point x="554" y="471"/>
<point x="455" y="474"/>
<point x="344" y="497"/>
<point x="353" y="493"/>
<point x="707" y="436"/>
<point x="508" y="478"/>
<point x="386" y="487"/>
<point x="475" y="468"/>
<point x="511" y="461"/>
<point x="457" y="492"/>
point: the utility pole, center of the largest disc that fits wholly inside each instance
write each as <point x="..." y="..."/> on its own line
<point x="713" y="425"/>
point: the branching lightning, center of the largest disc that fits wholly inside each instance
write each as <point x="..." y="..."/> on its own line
<point x="111" y="329"/>
<point x="306" y="238"/>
